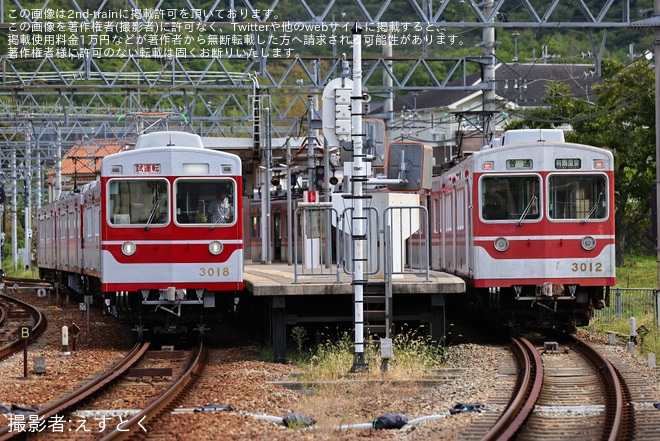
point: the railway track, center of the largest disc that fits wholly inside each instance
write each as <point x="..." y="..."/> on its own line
<point x="126" y="382"/>
<point x="559" y="395"/>
<point x="16" y="283"/>
<point x="144" y="424"/>
<point x="132" y="376"/>
<point x="68" y="402"/>
<point x="11" y="308"/>
<point x="563" y="408"/>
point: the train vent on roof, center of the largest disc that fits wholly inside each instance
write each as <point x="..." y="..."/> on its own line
<point x="532" y="135"/>
<point x="163" y="139"/>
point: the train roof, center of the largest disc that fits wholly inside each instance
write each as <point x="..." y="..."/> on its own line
<point x="526" y="135"/>
<point x="169" y="138"/>
<point x="173" y="160"/>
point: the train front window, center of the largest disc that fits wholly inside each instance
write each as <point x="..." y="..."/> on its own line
<point x="514" y="198"/>
<point x="138" y="201"/>
<point x="205" y="201"/>
<point x="577" y="197"/>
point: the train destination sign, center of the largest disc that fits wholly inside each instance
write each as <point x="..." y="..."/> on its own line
<point x="147" y="169"/>
<point x="568" y="163"/>
<point x="519" y="164"/>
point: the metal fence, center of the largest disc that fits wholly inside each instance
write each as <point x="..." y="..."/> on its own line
<point x="315" y="253"/>
<point x="641" y="303"/>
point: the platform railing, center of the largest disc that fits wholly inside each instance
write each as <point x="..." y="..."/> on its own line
<point x="317" y="251"/>
<point x="399" y="233"/>
<point x="405" y="237"/>
<point x="371" y="242"/>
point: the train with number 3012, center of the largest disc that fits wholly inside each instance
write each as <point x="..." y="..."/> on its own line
<point x="158" y="238"/>
<point x="528" y="222"/>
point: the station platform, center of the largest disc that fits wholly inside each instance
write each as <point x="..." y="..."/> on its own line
<point x="287" y="298"/>
<point x="279" y="279"/>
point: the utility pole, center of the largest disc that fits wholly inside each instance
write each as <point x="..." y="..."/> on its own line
<point x="14" y="211"/>
<point x="27" y="171"/>
<point x="656" y="42"/>
<point x="488" y="75"/>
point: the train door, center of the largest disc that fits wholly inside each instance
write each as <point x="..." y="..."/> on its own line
<point x="439" y="232"/>
<point x="75" y="235"/>
<point x="471" y="210"/>
<point x="62" y="254"/>
<point x="461" y="262"/>
<point x="277" y="237"/>
<point x="442" y="234"/>
<point x="449" y="250"/>
<point x="88" y="221"/>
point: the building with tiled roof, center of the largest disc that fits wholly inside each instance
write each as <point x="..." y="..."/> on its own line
<point x="452" y="120"/>
<point x="82" y="163"/>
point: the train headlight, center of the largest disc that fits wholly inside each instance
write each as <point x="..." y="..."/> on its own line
<point x="215" y="247"/>
<point x="588" y="243"/>
<point x="501" y="244"/>
<point x="128" y="248"/>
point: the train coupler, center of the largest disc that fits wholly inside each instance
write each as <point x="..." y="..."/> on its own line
<point x="549" y="289"/>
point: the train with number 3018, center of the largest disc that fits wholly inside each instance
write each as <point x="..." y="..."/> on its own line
<point x="528" y="223"/>
<point x="158" y="238"/>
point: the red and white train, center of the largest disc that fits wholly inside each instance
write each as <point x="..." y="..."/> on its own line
<point x="528" y="222"/>
<point x="144" y="237"/>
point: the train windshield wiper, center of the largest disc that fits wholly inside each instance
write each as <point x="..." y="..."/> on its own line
<point x="529" y="206"/>
<point x="154" y="210"/>
<point x="215" y="224"/>
<point x="593" y="209"/>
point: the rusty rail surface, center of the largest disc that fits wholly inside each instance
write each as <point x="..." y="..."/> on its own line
<point x="620" y="419"/>
<point x="132" y="428"/>
<point x="17" y="282"/>
<point x="3" y="314"/>
<point x="618" y="424"/>
<point x="39" y="327"/>
<point x="528" y="388"/>
<point x="61" y="405"/>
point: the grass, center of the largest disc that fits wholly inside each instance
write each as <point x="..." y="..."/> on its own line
<point x="21" y="272"/>
<point x="413" y="355"/>
<point x="343" y="395"/>
<point x="637" y="272"/>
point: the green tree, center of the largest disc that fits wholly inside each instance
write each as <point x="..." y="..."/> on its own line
<point x="621" y="118"/>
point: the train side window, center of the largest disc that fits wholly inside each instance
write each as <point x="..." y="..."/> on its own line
<point x="256" y="227"/>
<point x="436" y="215"/>
<point x="577" y="197"/>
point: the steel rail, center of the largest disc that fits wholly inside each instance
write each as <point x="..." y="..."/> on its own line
<point x="40" y="325"/>
<point x="68" y="401"/>
<point x="530" y="374"/>
<point x="619" y="416"/>
<point x="133" y="427"/>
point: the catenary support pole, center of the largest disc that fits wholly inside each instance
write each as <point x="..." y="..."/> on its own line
<point x="656" y="42"/>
